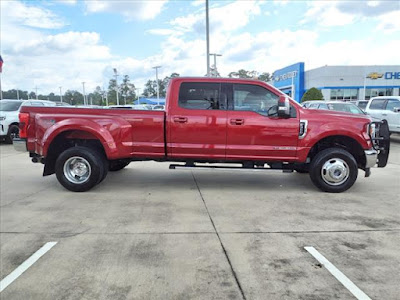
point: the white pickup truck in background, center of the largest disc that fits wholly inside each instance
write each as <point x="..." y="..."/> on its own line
<point x="9" y="110"/>
<point x="386" y="108"/>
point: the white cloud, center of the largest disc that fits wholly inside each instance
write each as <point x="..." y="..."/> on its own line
<point x="140" y="10"/>
<point x="68" y="2"/>
<point x="389" y="23"/>
<point x="226" y="18"/>
<point x="161" y="31"/>
<point x="27" y="15"/>
<point x="340" y="13"/>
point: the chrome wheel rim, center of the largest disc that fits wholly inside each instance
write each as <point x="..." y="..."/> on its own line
<point x="335" y="171"/>
<point x="77" y="170"/>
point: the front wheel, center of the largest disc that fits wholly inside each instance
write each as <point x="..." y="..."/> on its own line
<point x="333" y="170"/>
<point x="13" y="132"/>
<point x="78" y="169"/>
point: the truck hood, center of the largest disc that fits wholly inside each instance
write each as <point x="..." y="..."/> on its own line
<point x="331" y="114"/>
<point x="9" y="114"/>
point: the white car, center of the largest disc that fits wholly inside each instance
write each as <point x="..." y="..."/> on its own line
<point x="386" y="108"/>
<point x="9" y="110"/>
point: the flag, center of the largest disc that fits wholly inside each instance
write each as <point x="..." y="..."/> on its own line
<point x="1" y="64"/>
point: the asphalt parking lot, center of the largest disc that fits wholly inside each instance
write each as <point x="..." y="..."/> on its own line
<point x="151" y="233"/>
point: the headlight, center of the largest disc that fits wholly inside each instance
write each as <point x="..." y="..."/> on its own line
<point x="372" y="130"/>
<point x="2" y="118"/>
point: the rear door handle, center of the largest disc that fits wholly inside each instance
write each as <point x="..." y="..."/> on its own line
<point x="237" y="121"/>
<point x="384" y="115"/>
<point x="180" y="119"/>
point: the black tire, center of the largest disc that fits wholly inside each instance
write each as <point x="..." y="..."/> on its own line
<point x="84" y="158"/>
<point x="106" y="166"/>
<point x="342" y="172"/>
<point x="13" y="132"/>
<point x="117" y="165"/>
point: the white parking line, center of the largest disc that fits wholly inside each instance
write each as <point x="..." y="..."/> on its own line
<point x="359" y="294"/>
<point x="25" y="265"/>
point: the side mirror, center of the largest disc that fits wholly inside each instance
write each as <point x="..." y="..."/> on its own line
<point x="284" y="107"/>
<point x="396" y="109"/>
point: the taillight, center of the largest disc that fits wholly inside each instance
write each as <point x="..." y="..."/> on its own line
<point x="23" y="125"/>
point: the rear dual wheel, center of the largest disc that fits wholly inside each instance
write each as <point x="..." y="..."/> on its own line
<point x="79" y="168"/>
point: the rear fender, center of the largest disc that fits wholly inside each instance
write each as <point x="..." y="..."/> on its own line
<point x="85" y="125"/>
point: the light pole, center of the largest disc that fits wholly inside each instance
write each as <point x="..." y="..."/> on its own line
<point x="60" y="94"/>
<point x="208" y="40"/>
<point x="158" y="87"/>
<point x="17" y="94"/>
<point x="138" y="94"/>
<point x="215" y="62"/>
<point x="84" y="94"/>
<point x="116" y="84"/>
<point x="36" y="88"/>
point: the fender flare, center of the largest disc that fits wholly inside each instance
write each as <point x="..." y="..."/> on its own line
<point x="86" y="125"/>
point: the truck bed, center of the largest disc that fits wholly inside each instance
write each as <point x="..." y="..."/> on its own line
<point x="126" y="133"/>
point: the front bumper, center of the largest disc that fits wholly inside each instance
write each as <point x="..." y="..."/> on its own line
<point x="371" y="157"/>
<point x="20" y="145"/>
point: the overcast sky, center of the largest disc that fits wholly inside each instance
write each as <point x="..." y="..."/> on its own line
<point x="62" y="43"/>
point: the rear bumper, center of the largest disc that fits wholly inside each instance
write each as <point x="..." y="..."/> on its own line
<point x="20" y="145"/>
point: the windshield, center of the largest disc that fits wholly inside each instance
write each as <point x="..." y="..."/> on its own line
<point x="346" y="107"/>
<point x="9" y="105"/>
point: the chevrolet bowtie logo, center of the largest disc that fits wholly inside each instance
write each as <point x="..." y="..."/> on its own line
<point x="374" y="75"/>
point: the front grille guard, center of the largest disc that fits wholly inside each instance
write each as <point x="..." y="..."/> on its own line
<point x="381" y="141"/>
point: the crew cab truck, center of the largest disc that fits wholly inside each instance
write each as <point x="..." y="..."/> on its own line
<point x="206" y="120"/>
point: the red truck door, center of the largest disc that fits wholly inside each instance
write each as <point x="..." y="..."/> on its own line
<point x="253" y="129"/>
<point x="197" y="121"/>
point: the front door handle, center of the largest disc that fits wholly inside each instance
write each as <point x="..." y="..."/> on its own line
<point x="237" y="121"/>
<point x="180" y="119"/>
<point x="384" y="115"/>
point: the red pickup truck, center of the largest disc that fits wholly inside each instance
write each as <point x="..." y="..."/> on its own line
<point x="208" y="122"/>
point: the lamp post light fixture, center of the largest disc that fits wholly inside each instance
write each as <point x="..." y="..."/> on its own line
<point x="61" y="100"/>
<point x="215" y="62"/>
<point x="116" y="83"/>
<point x="158" y="87"/>
<point x="84" y="94"/>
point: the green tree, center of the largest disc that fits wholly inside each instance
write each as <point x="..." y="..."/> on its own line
<point x="150" y="89"/>
<point x="312" y="94"/>
<point x="111" y="92"/>
<point x="241" y="74"/>
<point x="127" y="90"/>
<point x="265" y="77"/>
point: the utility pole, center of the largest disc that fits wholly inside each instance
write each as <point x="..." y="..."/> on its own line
<point x="158" y="87"/>
<point x="116" y="83"/>
<point x="84" y="94"/>
<point x="215" y="61"/>
<point x="208" y="41"/>
<point x="61" y="94"/>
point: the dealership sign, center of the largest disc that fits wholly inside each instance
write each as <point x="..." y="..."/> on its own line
<point x="285" y="76"/>
<point x="388" y="75"/>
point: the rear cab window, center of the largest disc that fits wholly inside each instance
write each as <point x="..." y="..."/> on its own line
<point x="200" y="96"/>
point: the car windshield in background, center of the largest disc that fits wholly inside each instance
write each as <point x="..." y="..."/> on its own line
<point x="9" y="105"/>
<point x="345" y="107"/>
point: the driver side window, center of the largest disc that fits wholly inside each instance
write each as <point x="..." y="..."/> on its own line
<point x="254" y="98"/>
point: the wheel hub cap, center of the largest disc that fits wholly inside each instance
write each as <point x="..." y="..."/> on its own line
<point x="77" y="170"/>
<point x="335" y="171"/>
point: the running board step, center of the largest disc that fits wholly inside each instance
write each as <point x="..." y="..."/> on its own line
<point x="192" y="166"/>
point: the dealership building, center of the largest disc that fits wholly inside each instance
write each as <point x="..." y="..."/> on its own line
<point x="339" y="82"/>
